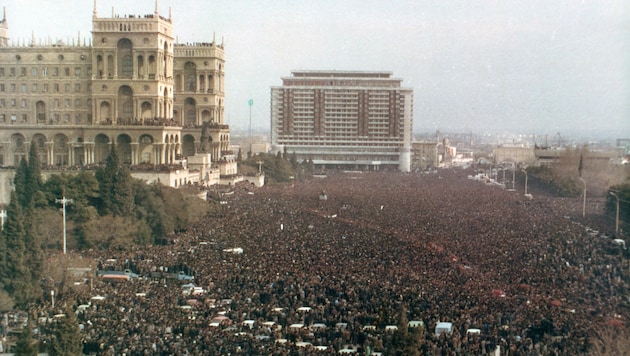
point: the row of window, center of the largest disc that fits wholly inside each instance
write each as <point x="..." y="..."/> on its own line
<point x="45" y="87"/>
<point x="367" y="142"/>
<point x="56" y="119"/>
<point x="78" y="103"/>
<point x="35" y="71"/>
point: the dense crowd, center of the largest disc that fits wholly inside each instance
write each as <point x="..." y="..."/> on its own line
<point x="319" y="276"/>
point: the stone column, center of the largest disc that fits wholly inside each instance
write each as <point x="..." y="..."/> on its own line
<point x="50" y="154"/>
<point x="134" y="153"/>
<point x="116" y="63"/>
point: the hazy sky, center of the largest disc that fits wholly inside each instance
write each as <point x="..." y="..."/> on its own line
<point x="531" y="66"/>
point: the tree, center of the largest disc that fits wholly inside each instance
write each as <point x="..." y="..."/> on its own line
<point x="67" y="340"/>
<point x="20" y="182"/>
<point x="105" y="178"/>
<point x="404" y="342"/>
<point x="15" y="273"/>
<point x="26" y="345"/>
<point x="28" y="180"/>
<point x="150" y="207"/>
<point x="34" y="178"/>
<point x="34" y="255"/>
<point x="623" y="192"/>
<point x="123" y="194"/>
<point x="83" y="230"/>
<point x="114" y="182"/>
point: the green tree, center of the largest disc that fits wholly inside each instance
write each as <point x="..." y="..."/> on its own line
<point x="16" y="276"/>
<point x="150" y="207"/>
<point x="83" y="230"/>
<point x="26" y="345"/>
<point x="28" y="180"/>
<point x="623" y="193"/>
<point x="123" y="194"/>
<point x="34" y="255"/>
<point x="20" y="182"/>
<point x="67" y="336"/>
<point x="105" y="178"/>
<point x="82" y="188"/>
<point x="404" y="342"/>
<point x="293" y="160"/>
<point x="114" y="181"/>
<point x="34" y="178"/>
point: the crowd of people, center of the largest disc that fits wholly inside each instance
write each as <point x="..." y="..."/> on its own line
<point x="283" y="271"/>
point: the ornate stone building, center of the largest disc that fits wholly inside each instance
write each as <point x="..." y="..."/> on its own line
<point x="160" y="102"/>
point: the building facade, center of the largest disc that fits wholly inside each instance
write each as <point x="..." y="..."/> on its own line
<point x="344" y="119"/>
<point x="130" y="84"/>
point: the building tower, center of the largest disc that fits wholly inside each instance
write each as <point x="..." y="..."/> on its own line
<point x="133" y="61"/>
<point x="4" y="30"/>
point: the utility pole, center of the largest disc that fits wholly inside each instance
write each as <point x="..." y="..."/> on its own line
<point x="584" y="198"/>
<point x="64" y="201"/>
<point x="617" y="215"/>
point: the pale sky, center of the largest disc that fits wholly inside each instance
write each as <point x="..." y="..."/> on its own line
<point x="526" y="66"/>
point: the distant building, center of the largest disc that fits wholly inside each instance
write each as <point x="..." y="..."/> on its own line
<point x="131" y="84"/>
<point x="517" y="154"/>
<point x="425" y="155"/>
<point x="536" y="156"/>
<point x="343" y="119"/>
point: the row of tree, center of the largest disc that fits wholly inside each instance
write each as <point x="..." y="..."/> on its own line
<point x="109" y="209"/>
<point x="279" y="168"/>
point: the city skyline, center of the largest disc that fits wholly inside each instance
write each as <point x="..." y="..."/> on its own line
<point x="526" y="66"/>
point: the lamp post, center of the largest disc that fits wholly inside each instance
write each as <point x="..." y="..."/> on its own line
<point x="64" y="201"/>
<point x="584" y="201"/>
<point x="259" y="167"/>
<point x="250" y="102"/>
<point x="617" y="215"/>
<point x="524" y="171"/>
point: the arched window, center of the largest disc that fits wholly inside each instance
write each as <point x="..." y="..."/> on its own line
<point x="190" y="76"/>
<point x="125" y="63"/>
<point x="127" y="66"/>
<point x="125" y="103"/>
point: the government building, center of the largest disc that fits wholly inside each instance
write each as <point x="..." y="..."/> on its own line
<point x="344" y="119"/>
<point x="131" y="85"/>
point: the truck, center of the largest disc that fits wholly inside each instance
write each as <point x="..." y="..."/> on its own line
<point x="126" y="272"/>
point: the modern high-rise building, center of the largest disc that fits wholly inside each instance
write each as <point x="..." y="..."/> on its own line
<point x="344" y="119"/>
<point x="130" y="84"/>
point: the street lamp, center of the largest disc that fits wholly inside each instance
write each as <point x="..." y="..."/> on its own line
<point x="617" y="216"/>
<point x="513" y="179"/>
<point x="259" y="167"/>
<point x="524" y="171"/>
<point x="250" y="102"/>
<point x="584" y="202"/>
<point x="64" y="201"/>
